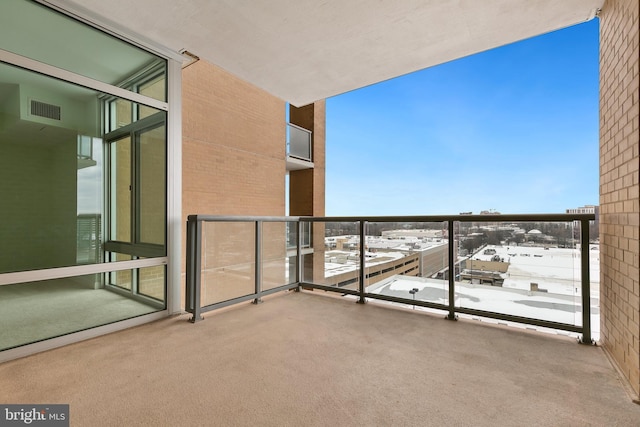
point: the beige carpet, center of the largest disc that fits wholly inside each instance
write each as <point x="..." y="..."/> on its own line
<point x="301" y="359"/>
<point x="31" y="312"/>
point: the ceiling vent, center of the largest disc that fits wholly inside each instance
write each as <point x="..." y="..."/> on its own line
<point x="48" y="111"/>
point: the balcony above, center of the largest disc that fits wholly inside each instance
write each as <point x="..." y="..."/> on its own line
<point x="299" y="148"/>
<point x="295" y="164"/>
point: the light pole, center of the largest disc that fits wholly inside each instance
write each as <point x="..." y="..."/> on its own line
<point x="413" y="292"/>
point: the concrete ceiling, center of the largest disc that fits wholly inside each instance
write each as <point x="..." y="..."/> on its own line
<point x="305" y="50"/>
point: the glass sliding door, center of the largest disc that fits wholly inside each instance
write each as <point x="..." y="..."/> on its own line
<point x="83" y="176"/>
<point x="137" y="201"/>
<point x="73" y="196"/>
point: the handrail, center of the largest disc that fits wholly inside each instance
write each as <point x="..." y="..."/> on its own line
<point x="245" y="218"/>
<point x="194" y="255"/>
<point x="549" y="217"/>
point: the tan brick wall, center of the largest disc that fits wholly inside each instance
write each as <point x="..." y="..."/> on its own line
<point x="233" y="164"/>
<point x="619" y="186"/>
<point x="233" y="145"/>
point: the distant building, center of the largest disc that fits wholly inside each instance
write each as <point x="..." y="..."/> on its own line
<point x="432" y="245"/>
<point x="586" y="209"/>
<point x="342" y="267"/>
<point x="395" y="252"/>
<point x="417" y="233"/>
<point x="594" y="230"/>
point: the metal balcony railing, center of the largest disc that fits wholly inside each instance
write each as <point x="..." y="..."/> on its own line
<point x="299" y="142"/>
<point x="528" y="269"/>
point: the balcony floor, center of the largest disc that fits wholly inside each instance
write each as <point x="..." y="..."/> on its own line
<point x="306" y="359"/>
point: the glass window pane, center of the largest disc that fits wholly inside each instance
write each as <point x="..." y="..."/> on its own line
<point x="44" y="184"/>
<point x="52" y="174"/>
<point x="123" y="278"/>
<point x="152" y="282"/>
<point x="153" y="88"/>
<point x="152" y="185"/>
<point x="121" y="190"/>
<point x="37" y="32"/>
<point x="121" y="113"/>
<point x="90" y="200"/>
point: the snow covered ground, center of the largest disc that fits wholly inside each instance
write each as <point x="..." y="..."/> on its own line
<point x="555" y="270"/>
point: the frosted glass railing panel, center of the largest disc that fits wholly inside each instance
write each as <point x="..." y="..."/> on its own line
<point x="336" y="263"/>
<point x="408" y="260"/>
<point x="228" y="261"/>
<point x="529" y="270"/>
<point x="278" y="268"/>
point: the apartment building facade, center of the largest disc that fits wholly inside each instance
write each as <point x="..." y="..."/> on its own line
<point x="89" y="110"/>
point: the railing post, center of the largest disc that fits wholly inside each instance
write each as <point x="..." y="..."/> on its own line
<point x="194" y="265"/>
<point x="299" y="264"/>
<point x="586" y="282"/>
<point x="452" y="273"/>
<point x="258" y="262"/>
<point x="363" y="273"/>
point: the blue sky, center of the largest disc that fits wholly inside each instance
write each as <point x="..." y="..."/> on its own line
<point x="513" y="129"/>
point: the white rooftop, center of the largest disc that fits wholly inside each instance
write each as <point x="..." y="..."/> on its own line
<point x="561" y="308"/>
<point x="554" y="269"/>
<point x="349" y="260"/>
